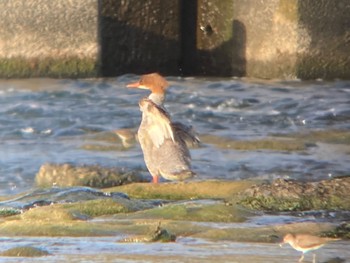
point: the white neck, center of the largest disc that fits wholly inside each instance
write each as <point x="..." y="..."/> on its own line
<point x="157" y="98"/>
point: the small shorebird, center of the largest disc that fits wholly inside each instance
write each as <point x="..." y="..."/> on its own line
<point x="306" y="243"/>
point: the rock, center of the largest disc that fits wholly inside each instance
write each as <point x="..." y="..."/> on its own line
<point x="289" y="195"/>
<point x="86" y="200"/>
<point x="159" y="235"/>
<point x="94" y="176"/>
<point x="25" y="251"/>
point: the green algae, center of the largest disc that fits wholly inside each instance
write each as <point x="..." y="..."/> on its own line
<point x="66" y="175"/>
<point x="327" y="136"/>
<point x="289" y="195"/>
<point x="279" y="142"/>
<point x="184" y="190"/>
<point x="50" y="229"/>
<point x="52" y="220"/>
<point x="96" y="208"/>
<point x="68" y="67"/>
<point x="25" y="251"/>
<point x="198" y="211"/>
<point x="188" y="217"/>
<point x="269" y="203"/>
<point x="273" y="144"/>
<point x="9" y="212"/>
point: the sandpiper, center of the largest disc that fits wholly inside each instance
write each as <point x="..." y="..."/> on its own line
<point x="306" y="243"/>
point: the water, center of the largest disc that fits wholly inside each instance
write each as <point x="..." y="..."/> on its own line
<point x="45" y="120"/>
<point x="106" y="249"/>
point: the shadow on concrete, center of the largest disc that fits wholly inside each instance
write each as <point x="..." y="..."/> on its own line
<point x="228" y="59"/>
<point x="127" y="46"/>
<point x="327" y="22"/>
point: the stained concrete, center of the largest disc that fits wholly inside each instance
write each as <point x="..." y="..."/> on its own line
<point x="286" y="39"/>
<point x="48" y="38"/>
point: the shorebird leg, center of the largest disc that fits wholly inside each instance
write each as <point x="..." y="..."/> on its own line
<point x="314" y="258"/>
<point x="301" y="258"/>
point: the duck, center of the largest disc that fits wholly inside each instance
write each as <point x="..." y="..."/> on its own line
<point x="158" y="85"/>
<point x="164" y="143"/>
<point x="165" y="152"/>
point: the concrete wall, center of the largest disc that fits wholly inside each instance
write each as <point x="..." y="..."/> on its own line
<point x="265" y="39"/>
<point x="48" y="38"/>
<point x="305" y="39"/>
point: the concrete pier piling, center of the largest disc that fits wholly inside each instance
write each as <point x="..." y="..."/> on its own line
<point x="286" y="39"/>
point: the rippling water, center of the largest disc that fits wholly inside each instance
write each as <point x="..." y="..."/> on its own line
<point x="45" y="120"/>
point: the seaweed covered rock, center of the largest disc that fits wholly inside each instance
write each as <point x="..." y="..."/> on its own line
<point x="158" y="235"/>
<point x="85" y="200"/>
<point x="94" y="176"/>
<point x="290" y="195"/>
<point x="25" y="251"/>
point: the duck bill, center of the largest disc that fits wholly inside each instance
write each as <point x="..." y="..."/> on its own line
<point x="136" y="85"/>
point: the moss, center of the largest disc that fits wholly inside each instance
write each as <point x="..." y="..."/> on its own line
<point x="303" y="203"/>
<point x="19" y="67"/>
<point x="9" y="212"/>
<point x="196" y="211"/>
<point x="57" y="227"/>
<point x="274" y="144"/>
<point x="25" y="251"/>
<point x="329" y="136"/>
<point x="95" y="208"/>
<point x="47" y="213"/>
<point x="185" y="190"/>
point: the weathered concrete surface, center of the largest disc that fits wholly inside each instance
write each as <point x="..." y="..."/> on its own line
<point x="139" y="36"/>
<point x="48" y="38"/>
<point x="288" y="39"/>
<point x="274" y="38"/>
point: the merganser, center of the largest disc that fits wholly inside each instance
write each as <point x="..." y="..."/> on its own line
<point x="158" y="85"/>
<point x="305" y="243"/>
<point x="163" y="142"/>
<point x="165" y="152"/>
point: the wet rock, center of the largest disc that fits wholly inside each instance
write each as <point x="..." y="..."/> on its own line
<point x="273" y="144"/>
<point x="25" y="251"/>
<point x="159" y="235"/>
<point x="93" y="176"/>
<point x="196" y="210"/>
<point x="185" y="190"/>
<point x="290" y="195"/>
<point x="84" y="199"/>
